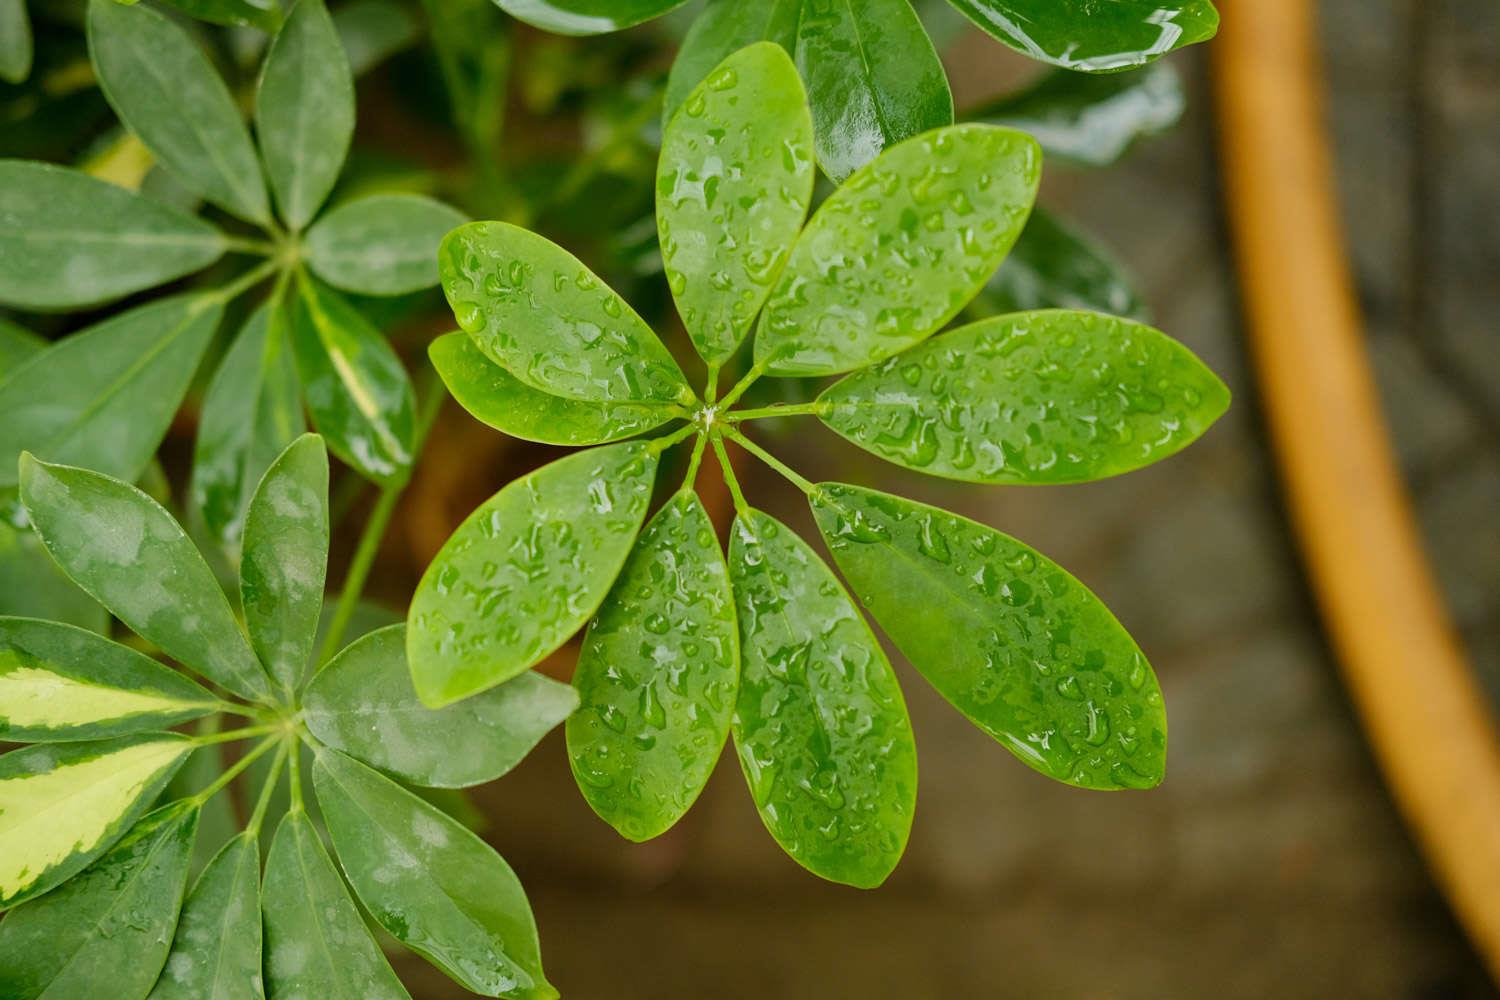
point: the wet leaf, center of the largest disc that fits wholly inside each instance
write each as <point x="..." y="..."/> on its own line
<point x="15" y="41"/>
<point x="548" y="320"/>
<point x="363" y="703"/>
<point x="1031" y="398"/>
<point x="657" y="677"/>
<point x="820" y="725"/>
<point x="526" y="570"/>
<point x="216" y="952"/>
<point x="383" y="244"/>
<point x="69" y="240"/>
<point x="1097" y="38"/>
<point x="899" y="249"/>
<point x="1005" y="634"/>
<point x="434" y="885"/>
<point x="586" y="17"/>
<point x="132" y="557"/>
<point x="1053" y="267"/>
<point x="58" y="682"/>
<point x="725" y="27"/>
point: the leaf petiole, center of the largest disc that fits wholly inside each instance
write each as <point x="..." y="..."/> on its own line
<point x="691" y="477"/>
<point x="802" y="484"/>
<point x="233" y="735"/>
<point x="729" y="477"/>
<point x="778" y="410"/>
<point x="233" y="771"/>
<point x="244" y="282"/>
<point x="294" y="762"/>
<point x="241" y="244"/>
<point x="661" y="444"/>
<point x="756" y="371"/>
<point x="267" y="790"/>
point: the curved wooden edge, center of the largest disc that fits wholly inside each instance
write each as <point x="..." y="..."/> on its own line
<point x="1428" y="721"/>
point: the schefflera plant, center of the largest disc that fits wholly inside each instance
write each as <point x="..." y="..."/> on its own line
<point x="683" y="647"/>
<point x="94" y="862"/>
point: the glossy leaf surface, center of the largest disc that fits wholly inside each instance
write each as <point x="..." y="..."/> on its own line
<point x="1054" y="267"/>
<point x="495" y="397"/>
<point x="62" y="805"/>
<point x="1005" y="634"/>
<point x="15" y="41"/>
<point x="216" y="953"/>
<point x="58" y="682"/>
<point x="899" y="249"/>
<point x="316" y="942"/>
<point x="1094" y="37"/>
<point x="69" y="240"/>
<point x="104" y="397"/>
<point x="526" y="570"/>
<point x="657" y="677"/>
<point x="363" y="703"/>
<point x="17" y="344"/>
<point x="127" y="551"/>
<point x="434" y="885"/>
<point x="722" y="29"/>
<point x="1031" y="398"/>
<point x="732" y="189"/>
<point x="820" y="724"/>
<point x="548" y="320"/>
<point x="165" y="90"/>
<point x="384" y="244"/>
<point x="586" y="17"/>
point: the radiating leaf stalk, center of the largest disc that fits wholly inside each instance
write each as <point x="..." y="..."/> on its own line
<point x="268" y="787"/>
<point x="234" y="770"/>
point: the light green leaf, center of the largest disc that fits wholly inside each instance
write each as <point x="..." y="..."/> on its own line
<point x="251" y="412"/>
<point x="316" y="941"/>
<point x="1093" y="37"/>
<point x="1006" y="635"/>
<point x="586" y="17"/>
<point x="383" y="244"/>
<point x="128" y="552"/>
<point x="17" y="344"/>
<point x="372" y="30"/>
<point x="820" y="725"/>
<point x="732" y="189"/>
<point x="216" y="952"/>
<point x="725" y="27"/>
<point x="1053" y="267"/>
<point x="104" y="397"/>
<point x="304" y="111"/>
<point x="62" y="805"/>
<point x="1030" y="398"/>
<point x="166" y="92"/>
<point x="262" y="14"/>
<point x="286" y="560"/>
<point x="360" y="397"/>
<point x="69" y="240"/>
<point x="899" y="249"/>
<point x="15" y="41"/>
<point x="58" y="682"/>
<point x="363" y="703"/>
<point x="657" y="677"/>
<point x="526" y="570"/>
<point x="434" y="885"/>
<point x="548" y="320"/>
<point x="31" y="585"/>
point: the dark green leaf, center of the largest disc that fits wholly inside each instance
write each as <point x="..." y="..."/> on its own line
<point x="70" y="240"/>
<point x="435" y="886"/>
<point x="216" y="953"/>
<point x="15" y="41"/>
<point x="820" y="725"/>
<point x="725" y="27"/>
<point x="363" y="703"/>
<point x="372" y="30"/>
<point x="899" y="249"/>
<point x="1053" y="267"/>
<point x="657" y="677"/>
<point x="548" y="320"/>
<point x="732" y="189"/>
<point x="31" y="585"/>
<point x="384" y="244"/>
<point x="262" y="14"/>
<point x="1015" y="643"/>
<point x="586" y="17"/>
<point x="128" y="552"/>
<point x="17" y="344"/>
<point x="526" y="570"/>
<point x="1094" y="37"/>
<point x="165" y="91"/>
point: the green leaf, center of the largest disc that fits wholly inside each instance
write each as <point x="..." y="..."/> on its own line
<point x="434" y="885"/>
<point x="526" y="570"/>
<point x="286" y="560"/>
<point x="128" y="552"/>
<point x="251" y="412"/>
<point x="1053" y="267"/>
<point x="732" y="189"/>
<point x="657" y="677"/>
<point x="1093" y="37"/>
<point x="725" y="27"/>
<point x="1030" y="398"/>
<point x="899" y="249"/>
<point x="216" y="952"/>
<point x="873" y="78"/>
<point x="316" y="941"/>
<point x="820" y="725"/>
<point x="58" y="682"/>
<point x="304" y="111"/>
<point x="262" y="14"/>
<point x="1005" y="634"/>
<point x="107" y="932"/>
<point x="373" y="30"/>
<point x="495" y="397"/>
<point x="383" y="244"/>
<point x="104" y="397"/>
<point x="166" y="92"/>
<point x="586" y="17"/>
<point x="15" y="41"/>
<point x="548" y="320"/>
<point x="17" y="344"/>
<point x="1092" y="120"/>
<point x="216" y="819"/>
<point x="360" y="397"/>
<point x="62" y="805"/>
<point x="363" y="703"/>
<point x="69" y="240"/>
<point x="31" y="585"/>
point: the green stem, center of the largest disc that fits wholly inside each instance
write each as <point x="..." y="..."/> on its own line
<point x="263" y="803"/>
<point x="232" y="735"/>
<point x="711" y="384"/>
<point x="729" y="477"/>
<point x="241" y="244"/>
<point x="778" y="410"/>
<point x="240" y="711"/>
<point x="755" y="372"/>
<point x="245" y="281"/>
<point x="233" y="771"/>
<point x="294" y="762"/>
<point x="691" y="478"/>
<point x="802" y="484"/>
<point x="661" y="444"/>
